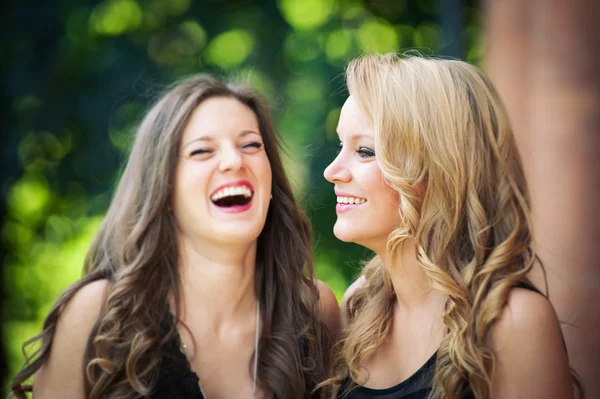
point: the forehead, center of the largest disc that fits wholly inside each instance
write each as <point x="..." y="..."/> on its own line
<point x="353" y="121"/>
<point x="220" y="117"/>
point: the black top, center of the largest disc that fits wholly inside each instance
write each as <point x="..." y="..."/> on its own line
<point x="175" y="380"/>
<point x="417" y="386"/>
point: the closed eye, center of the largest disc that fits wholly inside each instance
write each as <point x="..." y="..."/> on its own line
<point x="252" y="148"/>
<point x="201" y="151"/>
<point x="254" y="144"/>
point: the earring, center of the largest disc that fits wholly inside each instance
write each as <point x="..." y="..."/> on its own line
<point x="271" y="196"/>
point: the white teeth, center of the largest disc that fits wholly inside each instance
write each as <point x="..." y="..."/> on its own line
<point x="231" y="191"/>
<point x="351" y="200"/>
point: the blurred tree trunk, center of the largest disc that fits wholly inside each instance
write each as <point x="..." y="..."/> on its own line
<point x="543" y="58"/>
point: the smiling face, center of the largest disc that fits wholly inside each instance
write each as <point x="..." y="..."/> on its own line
<point x="367" y="208"/>
<point x="223" y="177"/>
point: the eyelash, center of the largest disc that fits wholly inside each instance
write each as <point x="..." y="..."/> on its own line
<point x="200" y="152"/>
<point x="363" y="152"/>
<point x="254" y="144"/>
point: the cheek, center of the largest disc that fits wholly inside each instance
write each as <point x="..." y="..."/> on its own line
<point x="264" y="173"/>
<point x="190" y="186"/>
<point x="388" y="206"/>
<point x="376" y="184"/>
<point x="387" y="200"/>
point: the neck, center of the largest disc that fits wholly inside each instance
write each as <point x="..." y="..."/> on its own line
<point x="411" y="284"/>
<point x="218" y="280"/>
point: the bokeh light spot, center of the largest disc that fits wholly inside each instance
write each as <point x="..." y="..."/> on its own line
<point x="306" y="14"/>
<point x="230" y="49"/>
<point x="377" y="36"/>
<point x="115" y="17"/>
<point x="428" y="37"/>
<point x="338" y="45"/>
<point x="167" y="48"/>
<point x="177" y="7"/>
<point x="302" y="46"/>
<point x="16" y="236"/>
<point x="27" y="200"/>
<point x="194" y="33"/>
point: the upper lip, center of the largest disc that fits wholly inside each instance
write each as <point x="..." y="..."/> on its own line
<point x="236" y="183"/>
<point x="342" y="194"/>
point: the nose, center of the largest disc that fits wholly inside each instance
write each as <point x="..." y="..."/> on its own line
<point x="231" y="159"/>
<point x="337" y="171"/>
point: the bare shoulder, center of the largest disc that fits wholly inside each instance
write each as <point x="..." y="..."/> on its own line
<point x="530" y="357"/>
<point x="62" y="372"/>
<point x="527" y="315"/>
<point x="353" y="287"/>
<point x="349" y="292"/>
<point x="329" y="309"/>
<point x="83" y="310"/>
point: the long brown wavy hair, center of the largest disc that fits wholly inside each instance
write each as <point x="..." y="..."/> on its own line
<point x="136" y="249"/>
<point x="444" y="143"/>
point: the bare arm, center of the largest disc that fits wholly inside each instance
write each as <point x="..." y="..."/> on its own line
<point x="62" y="375"/>
<point x="531" y="360"/>
<point x="329" y="309"/>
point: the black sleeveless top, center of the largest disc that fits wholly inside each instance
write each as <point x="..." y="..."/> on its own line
<point x="417" y="386"/>
<point x="175" y="379"/>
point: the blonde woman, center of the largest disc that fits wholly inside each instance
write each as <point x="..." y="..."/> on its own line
<point x="428" y="176"/>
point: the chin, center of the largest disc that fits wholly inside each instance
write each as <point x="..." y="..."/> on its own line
<point x="238" y="234"/>
<point x="360" y="237"/>
<point x="345" y="235"/>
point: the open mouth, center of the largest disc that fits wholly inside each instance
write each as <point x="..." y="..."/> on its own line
<point x="236" y="200"/>
<point x="238" y="197"/>
<point x="350" y="200"/>
<point x="347" y="203"/>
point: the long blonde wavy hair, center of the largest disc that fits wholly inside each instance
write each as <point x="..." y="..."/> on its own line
<point x="136" y="250"/>
<point x="444" y="143"/>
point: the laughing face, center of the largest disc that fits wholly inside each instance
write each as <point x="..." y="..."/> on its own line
<point x="367" y="208"/>
<point x="223" y="177"/>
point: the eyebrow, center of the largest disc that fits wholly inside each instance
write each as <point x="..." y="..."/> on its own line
<point x="354" y="136"/>
<point x="244" y="133"/>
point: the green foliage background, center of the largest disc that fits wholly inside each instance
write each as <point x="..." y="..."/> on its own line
<point x="78" y="76"/>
